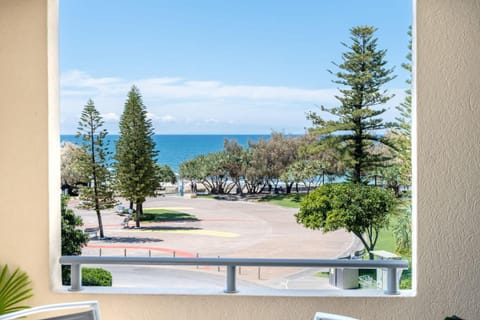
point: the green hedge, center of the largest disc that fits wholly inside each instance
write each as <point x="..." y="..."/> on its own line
<point x="95" y="277"/>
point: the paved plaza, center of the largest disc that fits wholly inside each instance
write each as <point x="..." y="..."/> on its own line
<point x="224" y="228"/>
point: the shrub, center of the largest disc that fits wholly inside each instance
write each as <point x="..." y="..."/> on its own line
<point x="73" y="239"/>
<point x="360" y="209"/>
<point x="96" y="277"/>
<point x="406" y="280"/>
<point x="406" y="284"/>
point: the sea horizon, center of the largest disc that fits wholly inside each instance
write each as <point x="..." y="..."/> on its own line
<point x="177" y="148"/>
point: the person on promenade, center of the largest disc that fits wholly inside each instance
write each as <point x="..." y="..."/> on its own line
<point x="126" y="220"/>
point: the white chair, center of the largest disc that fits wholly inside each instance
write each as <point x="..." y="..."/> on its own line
<point x="330" y="316"/>
<point x="92" y="311"/>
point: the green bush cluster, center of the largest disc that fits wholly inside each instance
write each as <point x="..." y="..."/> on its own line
<point x="93" y="277"/>
<point x="406" y="284"/>
<point x="96" y="277"/>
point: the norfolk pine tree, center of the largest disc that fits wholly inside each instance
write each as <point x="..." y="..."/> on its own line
<point x="357" y="125"/>
<point x="400" y="172"/>
<point x="402" y="230"/>
<point x="356" y="128"/>
<point x="136" y="173"/>
<point x="404" y="132"/>
<point x="98" y="195"/>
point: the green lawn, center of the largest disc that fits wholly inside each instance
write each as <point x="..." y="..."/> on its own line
<point x="322" y="274"/>
<point x="386" y="241"/>
<point x="164" y="215"/>
<point x="206" y="195"/>
<point x="291" y="200"/>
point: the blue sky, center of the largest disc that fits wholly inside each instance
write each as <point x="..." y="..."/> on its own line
<point x="217" y="66"/>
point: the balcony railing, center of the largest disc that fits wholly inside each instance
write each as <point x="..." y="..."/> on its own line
<point x="391" y="266"/>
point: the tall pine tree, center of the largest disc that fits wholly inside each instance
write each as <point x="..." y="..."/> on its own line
<point x="357" y="124"/>
<point x="98" y="194"/>
<point x="135" y="154"/>
<point x="404" y="132"/>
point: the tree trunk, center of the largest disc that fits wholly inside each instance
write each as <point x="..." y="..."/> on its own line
<point x="138" y="213"/>
<point x="239" y="188"/>
<point x="100" y="224"/>
<point x="370" y="255"/>
<point x="97" y="210"/>
<point x="289" y="187"/>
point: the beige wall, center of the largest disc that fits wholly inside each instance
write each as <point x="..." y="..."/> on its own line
<point x="448" y="177"/>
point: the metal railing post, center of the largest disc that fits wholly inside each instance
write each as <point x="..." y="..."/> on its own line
<point x="75" y="277"/>
<point x="392" y="283"/>
<point x="391" y="267"/>
<point x="231" y="280"/>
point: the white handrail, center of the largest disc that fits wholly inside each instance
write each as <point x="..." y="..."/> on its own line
<point x="231" y="263"/>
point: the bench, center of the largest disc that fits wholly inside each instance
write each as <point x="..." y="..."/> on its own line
<point x="92" y="232"/>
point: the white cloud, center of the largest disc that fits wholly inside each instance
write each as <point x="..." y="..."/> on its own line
<point x="203" y="84"/>
<point x="152" y="116"/>
<point x="211" y="120"/>
<point x="79" y="79"/>
<point x="111" y="116"/>
<point x="176" y="105"/>
<point x="157" y="81"/>
<point x="163" y="118"/>
<point x="167" y="118"/>
<point x="74" y="83"/>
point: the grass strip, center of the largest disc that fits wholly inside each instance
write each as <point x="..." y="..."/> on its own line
<point x="165" y="215"/>
<point x="290" y="200"/>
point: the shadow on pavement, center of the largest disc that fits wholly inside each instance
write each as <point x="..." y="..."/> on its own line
<point x="130" y="240"/>
<point x="165" y="228"/>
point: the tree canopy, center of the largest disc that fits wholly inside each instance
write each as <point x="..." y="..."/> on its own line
<point x="210" y="170"/>
<point x="357" y="208"/>
<point x="71" y="173"/>
<point x="259" y="166"/>
<point x="165" y="173"/>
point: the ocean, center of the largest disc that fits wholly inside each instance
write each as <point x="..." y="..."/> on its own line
<point x="175" y="149"/>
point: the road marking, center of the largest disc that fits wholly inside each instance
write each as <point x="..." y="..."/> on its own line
<point x="170" y="208"/>
<point x="284" y="283"/>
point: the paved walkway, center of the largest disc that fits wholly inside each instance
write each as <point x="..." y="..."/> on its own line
<point x="224" y="229"/>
